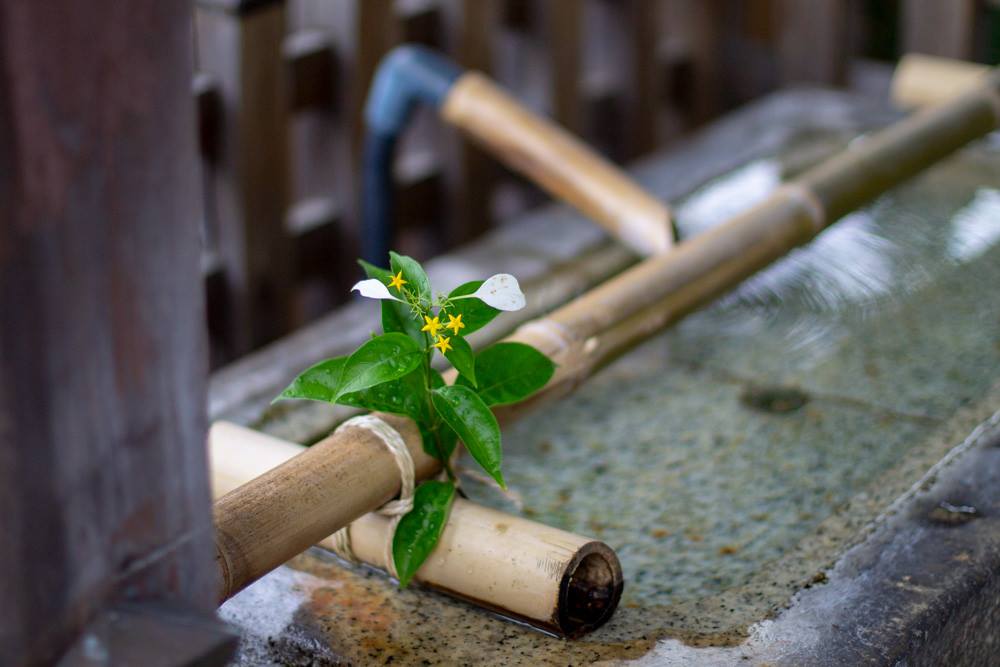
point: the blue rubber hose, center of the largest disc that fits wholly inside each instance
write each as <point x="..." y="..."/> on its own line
<point x="407" y="76"/>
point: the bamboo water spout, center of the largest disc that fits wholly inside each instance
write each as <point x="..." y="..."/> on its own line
<point x="555" y="580"/>
<point x="278" y="515"/>
<point x="921" y="80"/>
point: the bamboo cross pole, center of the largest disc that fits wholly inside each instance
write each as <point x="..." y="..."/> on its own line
<point x="555" y="580"/>
<point x="295" y="505"/>
<point x="267" y="521"/>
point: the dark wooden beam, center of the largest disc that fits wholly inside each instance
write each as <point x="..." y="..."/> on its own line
<point x="311" y="72"/>
<point x="812" y="42"/>
<point x="250" y="181"/>
<point x="939" y="28"/>
<point x="103" y="482"/>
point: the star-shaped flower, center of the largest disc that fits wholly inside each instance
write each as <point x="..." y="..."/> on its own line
<point x="432" y="325"/>
<point x="455" y="323"/>
<point x="443" y="344"/>
<point x="397" y="281"/>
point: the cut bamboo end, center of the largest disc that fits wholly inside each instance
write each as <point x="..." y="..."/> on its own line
<point x="921" y="80"/>
<point x="560" y="163"/>
<point x="555" y="580"/>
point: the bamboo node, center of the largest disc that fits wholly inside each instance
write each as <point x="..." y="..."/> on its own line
<point x="395" y="509"/>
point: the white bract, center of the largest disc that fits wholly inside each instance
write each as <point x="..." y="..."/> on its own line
<point x="502" y="292"/>
<point x="374" y="289"/>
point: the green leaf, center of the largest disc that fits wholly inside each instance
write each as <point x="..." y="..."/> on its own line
<point x="462" y="359"/>
<point x="509" y="372"/>
<point x="318" y="383"/>
<point x="472" y="420"/>
<point x="437" y="380"/>
<point x="441" y="448"/>
<point x="446" y="437"/>
<point x="413" y="273"/>
<point x="381" y="359"/>
<point x="475" y="313"/>
<point x="420" y="529"/>
<point x="396" y="316"/>
<point x="448" y="440"/>
<point x="404" y="396"/>
<point x="373" y="271"/>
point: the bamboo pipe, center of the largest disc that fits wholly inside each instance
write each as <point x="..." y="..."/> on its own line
<point x="560" y="163"/>
<point x="921" y="80"/>
<point x="601" y="324"/>
<point x="555" y="580"/>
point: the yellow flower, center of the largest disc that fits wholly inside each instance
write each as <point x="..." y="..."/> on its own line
<point x="443" y="344"/>
<point x="455" y="323"/>
<point x="432" y="326"/>
<point x="397" y="281"/>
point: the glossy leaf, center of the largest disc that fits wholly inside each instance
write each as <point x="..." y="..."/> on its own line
<point x="462" y="359"/>
<point x="462" y="409"/>
<point x="318" y="383"/>
<point x="413" y="273"/>
<point x="396" y="316"/>
<point x="381" y="359"/>
<point x="509" y="372"/>
<point x="420" y="529"/>
<point x="444" y="444"/>
<point x="439" y="444"/>
<point x="448" y="440"/>
<point x="475" y="313"/>
<point x="404" y="396"/>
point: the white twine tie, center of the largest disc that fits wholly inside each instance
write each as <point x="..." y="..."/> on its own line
<point x="395" y="509"/>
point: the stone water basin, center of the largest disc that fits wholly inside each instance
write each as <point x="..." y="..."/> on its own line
<point x="750" y="464"/>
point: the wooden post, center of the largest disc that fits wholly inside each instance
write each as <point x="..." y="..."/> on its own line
<point x="104" y="490"/>
<point x="939" y="28"/>
<point x="328" y="142"/>
<point x="469" y="172"/>
<point x="240" y="45"/>
<point x="812" y="41"/>
<point x="562" y="31"/>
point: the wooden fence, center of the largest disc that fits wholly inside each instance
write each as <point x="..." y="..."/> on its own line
<point x="282" y="85"/>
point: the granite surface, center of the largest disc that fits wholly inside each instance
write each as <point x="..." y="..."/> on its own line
<point x="740" y="461"/>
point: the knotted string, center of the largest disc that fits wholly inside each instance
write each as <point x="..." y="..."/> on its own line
<point x="395" y="509"/>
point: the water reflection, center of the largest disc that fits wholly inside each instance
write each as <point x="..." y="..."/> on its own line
<point x="976" y="227"/>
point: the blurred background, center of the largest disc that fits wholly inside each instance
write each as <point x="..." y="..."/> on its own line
<point x="281" y="85"/>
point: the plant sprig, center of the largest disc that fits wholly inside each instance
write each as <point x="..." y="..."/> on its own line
<point x="393" y="372"/>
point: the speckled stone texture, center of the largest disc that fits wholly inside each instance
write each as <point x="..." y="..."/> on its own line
<point x="798" y="474"/>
